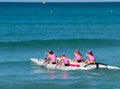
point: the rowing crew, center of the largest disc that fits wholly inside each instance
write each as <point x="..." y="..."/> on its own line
<point x="64" y="60"/>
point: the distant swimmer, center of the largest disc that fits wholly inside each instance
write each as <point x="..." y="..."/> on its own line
<point x="90" y="58"/>
<point x="78" y="56"/>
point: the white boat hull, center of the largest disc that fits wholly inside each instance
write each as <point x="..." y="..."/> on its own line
<point x="73" y="66"/>
<point x="40" y="62"/>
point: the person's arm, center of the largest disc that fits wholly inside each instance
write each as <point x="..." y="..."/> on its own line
<point x="46" y="60"/>
<point x="47" y="53"/>
<point x="59" y="62"/>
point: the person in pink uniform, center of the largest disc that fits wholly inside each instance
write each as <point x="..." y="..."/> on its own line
<point x="64" y="61"/>
<point x="78" y="56"/>
<point x="51" y="59"/>
<point x="90" y="58"/>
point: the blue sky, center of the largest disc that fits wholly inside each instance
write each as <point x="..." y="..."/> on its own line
<point x="60" y="0"/>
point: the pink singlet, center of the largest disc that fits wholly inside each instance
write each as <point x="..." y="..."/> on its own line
<point x="78" y="56"/>
<point x="53" y="57"/>
<point x="91" y="58"/>
<point x="65" y="60"/>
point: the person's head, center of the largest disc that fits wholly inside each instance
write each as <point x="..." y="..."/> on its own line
<point x="63" y="55"/>
<point x="50" y="52"/>
<point x="77" y="51"/>
<point x="90" y="52"/>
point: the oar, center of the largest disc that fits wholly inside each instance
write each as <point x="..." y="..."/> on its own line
<point x="45" y="58"/>
<point x="58" y="63"/>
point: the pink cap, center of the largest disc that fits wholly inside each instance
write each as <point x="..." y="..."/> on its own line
<point x="77" y="50"/>
<point x="50" y="51"/>
<point x="63" y="54"/>
<point x="89" y="51"/>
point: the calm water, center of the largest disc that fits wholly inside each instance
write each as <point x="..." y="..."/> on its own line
<point x="30" y="29"/>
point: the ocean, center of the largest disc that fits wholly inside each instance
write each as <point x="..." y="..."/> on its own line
<point x="28" y="30"/>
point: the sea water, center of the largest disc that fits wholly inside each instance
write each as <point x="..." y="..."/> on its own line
<point x="31" y="29"/>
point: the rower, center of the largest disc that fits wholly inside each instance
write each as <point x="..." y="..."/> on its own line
<point x="64" y="61"/>
<point x="78" y="56"/>
<point x="51" y="59"/>
<point x="90" y="58"/>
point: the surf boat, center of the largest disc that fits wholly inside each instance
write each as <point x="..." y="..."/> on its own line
<point x="72" y="65"/>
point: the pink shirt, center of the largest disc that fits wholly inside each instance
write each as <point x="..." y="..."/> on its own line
<point x="78" y="56"/>
<point x="92" y="58"/>
<point x="53" y="57"/>
<point x="65" y="60"/>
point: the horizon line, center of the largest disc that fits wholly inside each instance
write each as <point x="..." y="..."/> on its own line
<point x="64" y="2"/>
